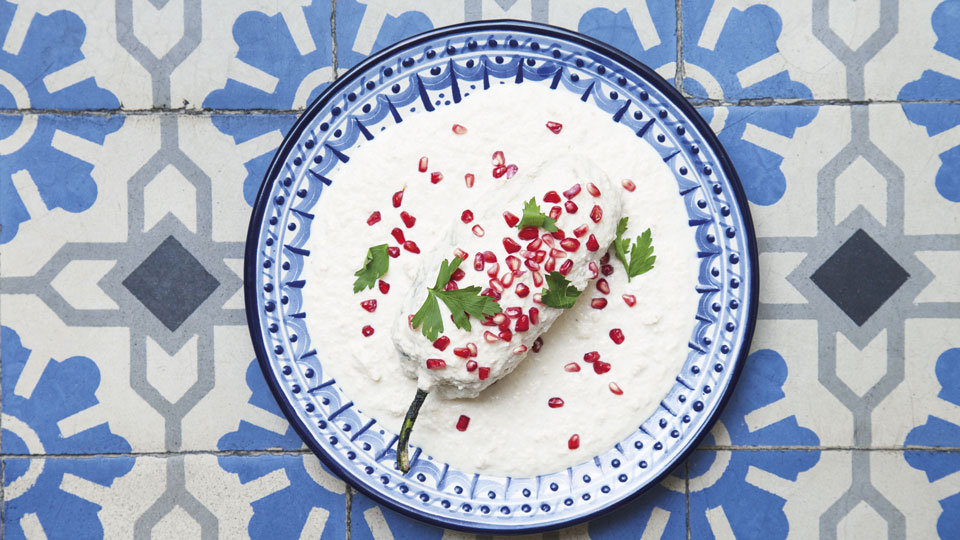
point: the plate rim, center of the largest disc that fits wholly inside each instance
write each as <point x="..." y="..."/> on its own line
<point x="254" y="324"/>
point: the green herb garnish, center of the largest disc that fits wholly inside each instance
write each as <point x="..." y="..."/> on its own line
<point x="533" y="217"/>
<point x="641" y="254"/>
<point x="374" y="267"/>
<point x="460" y="302"/>
<point x="559" y="292"/>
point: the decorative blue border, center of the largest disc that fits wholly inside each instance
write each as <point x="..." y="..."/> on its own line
<point x="454" y="61"/>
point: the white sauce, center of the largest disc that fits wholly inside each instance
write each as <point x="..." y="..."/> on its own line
<point x="512" y="431"/>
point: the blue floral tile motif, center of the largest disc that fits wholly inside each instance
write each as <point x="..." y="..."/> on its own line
<point x="937" y="118"/>
<point x="938" y="432"/>
<point x="290" y="78"/>
<point x="933" y="85"/>
<point x="52" y="42"/>
<point x="618" y="30"/>
<point x="747" y="38"/>
<point x="245" y="127"/>
<point x="252" y="437"/>
<point x="394" y="27"/>
<point x="286" y="513"/>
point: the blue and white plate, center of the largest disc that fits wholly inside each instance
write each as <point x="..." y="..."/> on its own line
<point x="415" y="72"/>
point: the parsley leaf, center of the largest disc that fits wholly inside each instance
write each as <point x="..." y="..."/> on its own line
<point x="641" y="255"/>
<point x="533" y="217"/>
<point x="560" y="294"/>
<point x="460" y="302"/>
<point x="620" y="245"/>
<point x="375" y="265"/>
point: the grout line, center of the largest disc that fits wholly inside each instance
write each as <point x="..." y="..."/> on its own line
<point x="333" y="45"/>
<point x="686" y="491"/>
<point x="349" y="507"/>
<point x="680" y="72"/>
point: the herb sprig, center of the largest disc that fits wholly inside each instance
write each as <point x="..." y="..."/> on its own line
<point x="533" y="217"/>
<point x="559" y="293"/>
<point x="641" y="253"/>
<point x="375" y="265"/>
<point x="462" y="303"/>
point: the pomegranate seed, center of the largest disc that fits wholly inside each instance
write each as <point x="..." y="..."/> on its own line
<point x="628" y="184"/>
<point x="596" y="214"/>
<point x="384" y="286"/>
<point x="491" y="293"/>
<point x="473" y="349"/>
<point x="551" y="197"/>
<point x="601" y="367"/>
<point x="462" y="352"/>
<point x="478" y="231"/>
<point x="484" y="373"/>
<point x="441" y="343"/>
<point x="532" y="265"/>
<point x="461" y="254"/>
<point x="511" y="171"/>
<point x="469" y="179"/>
<point x="580" y="231"/>
<point x="520" y="350"/>
<point x="397" y="233"/>
<point x="570" y="244"/>
<point x="603" y="286"/>
<point x="534" y="315"/>
<point x="367" y="331"/>
<point x="458" y="274"/>
<point x="422" y="166"/>
<point x="548" y="240"/>
<point x="511" y="219"/>
<point x="511" y="245"/>
<point x="572" y="367"/>
<point x="537" y="279"/>
<point x="459" y="130"/>
<point x="615" y="388"/>
<point x="594" y="190"/>
<point x="598" y="303"/>
<point x="493" y="270"/>
<point x="566" y="267"/>
<point x="496" y="285"/>
<point x="557" y="254"/>
<point x="605" y="258"/>
<point x="555" y="212"/>
<point x="591" y="357"/>
<point x="397" y="199"/>
<point x="393" y="251"/>
<point x="513" y="312"/>
<point x="555" y="403"/>
<point x="594" y="270"/>
<point x="522" y="324"/>
<point x="500" y="318"/>
<point x="554" y="126"/>
<point x="522" y="290"/>
<point x="411" y="246"/>
<point x="506" y="279"/>
<point x="536" y="300"/>
<point x="490" y="337"/>
<point x="499" y="171"/>
<point x="369" y="305"/>
<point x="436" y="177"/>
<point x="574" y="442"/>
<point x="410" y="321"/>
<point x="550" y="265"/>
<point x="478" y="262"/>
<point x="527" y="254"/>
<point x="592" y="244"/>
<point x="506" y="335"/>
<point x="539" y="256"/>
<point x="408" y="220"/>
<point x="571" y="207"/>
<point x="537" y="344"/>
<point x="374" y="218"/>
<point x="630" y="299"/>
<point x="617" y="336"/>
<point x="527" y="233"/>
<point x="450" y="286"/>
<point x="513" y="263"/>
<point x="607" y="269"/>
<point x="498" y="158"/>
<point x="559" y="234"/>
<point x="489" y="257"/>
<point x="505" y="325"/>
<point x="471" y="366"/>
<point x="466" y="216"/>
<point x="535" y="244"/>
<point x="464" y="420"/>
<point x="436" y="363"/>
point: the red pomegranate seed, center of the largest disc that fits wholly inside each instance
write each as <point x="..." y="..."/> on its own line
<point x="555" y="403"/>
<point x="459" y="130"/>
<point x="607" y="269"/>
<point x="628" y="184"/>
<point x="555" y="212"/>
<point x="570" y="244"/>
<point x="478" y="230"/>
<point x="461" y="254"/>
<point x="571" y="207"/>
<point x="534" y="244"/>
<point x="596" y="214"/>
<point x="539" y="256"/>
<point x="411" y="246"/>
<point x="554" y="126"/>
<point x="484" y="373"/>
<point x="617" y="336"/>
<point x="441" y="343"/>
<point x="601" y="367"/>
<point x="566" y="267"/>
<point x="436" y="363"/>
<point x="580" y="231"/>
<point x="615" y="388"/>
<point x="591" y="357"/>
<point x="572" y="192"/>
<point x="605" y="258"/>
<point x="397" y="199"/>
<point x="462" y="352"/>
<point x="522" y="324"/>
<point x="511" y="219"/>
<point x="594" y="270"/>
<point x="506" y="279"/>
<point x="393" y="251"/>
<point x="536" y="299"/>
<point x="506" y="335"/>
<point x="630" y="299"/>
<point x="493" y="270"/>
<point x="490" y="337"/>
<point x="397" y="233"/>
<point x="384" y="286"/>
<point x="489" y="257"/>
<point x="603" y="286"/>
<point x="450" y="286"/>
<point x="374" y="218"/>
<point x="574" y="442"/>
<point x="513" y="262"/>
<point x="408" y="219"/>
<point x="598" y="303"/>
<point x="532" y="265"/>
<point x="594" y="190"/>
<point x="504" y="324"/>
<point x="558" y="254"/>
<point x="511" y="245"/>
<point x="496" y="285"/>
<point x="491" y="293"/>
<point x="499" y="171"/>
<point x="466" y="216"/>
<point x="522" y="290"/>
<point x="551" y="197"/>
<point x="458" y="274"/>
<point x="498" y="158"/>
<point x="513" y="312"/>
<point x="550" y="265"/>
<point x="520" y="350"/>
<point x="511" y="171"/>
<point x="572" y="367"/>
<point x="537" y="345"/>
<point x="436" y="177"/>
<point x="478" y="262"/>
<point x="367" y="331"/>
<point x="534" y="315"/>
<point x="369" y="305"/>
<point x="469" y="179"/>
<point x="464" y="420"/>
<point x="472" y="348"/>
<point x="527" y="254"/>
<point x="422" y="166"/>
<point x="471" y="366"/>
<point x="537" y="279"/>
<point x="527" y="233"/>
<point x="559" y="234"/>
<point x="592" y="244"/>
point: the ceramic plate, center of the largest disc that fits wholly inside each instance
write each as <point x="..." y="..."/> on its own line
<point x="415" y="73"/>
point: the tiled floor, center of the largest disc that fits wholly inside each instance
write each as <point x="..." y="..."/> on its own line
<point x="133" y="137"/>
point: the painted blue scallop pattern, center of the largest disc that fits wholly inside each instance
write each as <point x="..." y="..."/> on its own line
<point x="409" y="81"/>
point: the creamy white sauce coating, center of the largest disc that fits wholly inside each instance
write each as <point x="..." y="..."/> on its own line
<point x="512" y="430"/>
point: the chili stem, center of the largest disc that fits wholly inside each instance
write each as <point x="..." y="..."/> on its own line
<point x="406" y="428"/>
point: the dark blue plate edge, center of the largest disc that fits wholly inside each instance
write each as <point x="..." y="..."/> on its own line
<point x="251" y="293"/>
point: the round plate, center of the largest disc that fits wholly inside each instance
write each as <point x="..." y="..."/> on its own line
<point x="369" y="97"/>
